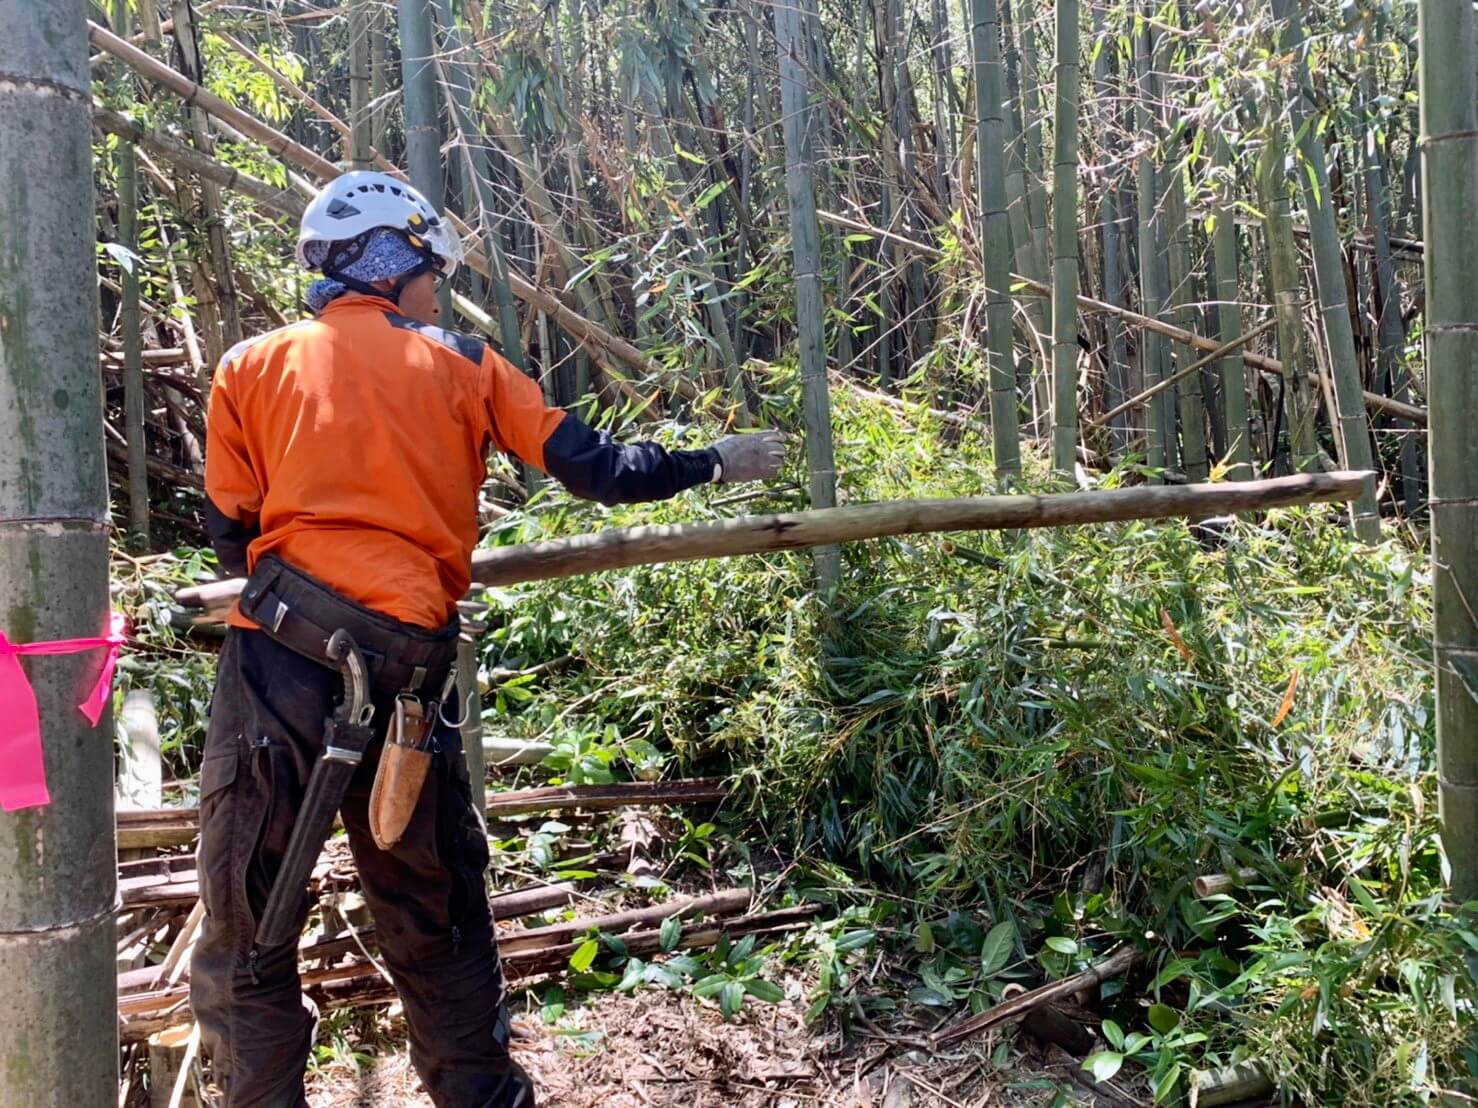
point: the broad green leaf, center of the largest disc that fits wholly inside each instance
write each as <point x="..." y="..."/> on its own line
<point x="1104" y="1064"/>
<point x="995" y="952"/>
<point x="671" y="932"/>
<point x="761" y="989"/>
<point x="1163" y="1018"/>
<point x="584" y="955"/>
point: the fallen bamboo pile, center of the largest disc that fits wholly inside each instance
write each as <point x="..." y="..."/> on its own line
<point x="164" y="827"/>
<point x="619" y="548"/>
<point x="533" y="953"/>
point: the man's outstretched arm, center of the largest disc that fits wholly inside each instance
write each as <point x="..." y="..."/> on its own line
<point x="591" y="464"/>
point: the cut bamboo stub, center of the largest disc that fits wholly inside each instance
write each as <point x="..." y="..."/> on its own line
<point x="1013" y="1008"/>
<point x="634" y="546"/>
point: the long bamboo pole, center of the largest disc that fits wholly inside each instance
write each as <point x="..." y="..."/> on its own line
<point x="129" y="319"/>
<point x="620" y="548"/>
<point x="1229" y="317"/>
<point x="1329" y="268"/>
<point x="58" y="1040"/>
<point x="1065" y="243"/>
<point x="995" y="235"/>
<point x="800" y="187"/>
<point x="1449" y="146"/>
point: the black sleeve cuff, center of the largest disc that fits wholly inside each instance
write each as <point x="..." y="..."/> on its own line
<point x="230" y="537"/>
<point x="593" y="465"/>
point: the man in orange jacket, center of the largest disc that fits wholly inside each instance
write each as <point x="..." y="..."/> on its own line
<point x="343" y="464"/>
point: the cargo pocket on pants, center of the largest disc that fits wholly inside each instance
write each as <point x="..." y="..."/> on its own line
<point x="217" y="775"/>
<point x="461" y="845"/>
<point x="259" y="802"/>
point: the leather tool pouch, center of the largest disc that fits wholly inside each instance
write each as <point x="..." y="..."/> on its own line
<point x="402" y="771"/>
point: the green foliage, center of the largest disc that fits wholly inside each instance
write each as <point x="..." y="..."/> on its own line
<point x="979" y="722"/>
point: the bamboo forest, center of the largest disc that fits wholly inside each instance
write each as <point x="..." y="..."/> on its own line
<point x="1073" y="702"/>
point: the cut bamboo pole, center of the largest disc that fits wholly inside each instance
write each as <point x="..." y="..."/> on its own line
<point x="178" y="826"/>
<point x="1214" y="884"/>
<point x="1244" y="1082"/>
<point x="1121" y="961"/>
<point x="620" y="548"/>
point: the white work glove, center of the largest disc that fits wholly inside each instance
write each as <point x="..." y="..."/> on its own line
<point x="755" y="457"/>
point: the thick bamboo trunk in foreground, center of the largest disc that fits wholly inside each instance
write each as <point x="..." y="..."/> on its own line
<point x="58" y="1041"/>
<point x="620" y="548"/>
<point x="1449" y="146"/>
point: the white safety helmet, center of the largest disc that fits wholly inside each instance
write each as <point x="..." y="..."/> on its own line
<point x="348" y="208"/>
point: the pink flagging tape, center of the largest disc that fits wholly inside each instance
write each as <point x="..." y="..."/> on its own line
<point x="22" y="765"/>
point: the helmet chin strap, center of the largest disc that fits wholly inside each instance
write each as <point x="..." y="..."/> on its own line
<point x="393" y="293"/>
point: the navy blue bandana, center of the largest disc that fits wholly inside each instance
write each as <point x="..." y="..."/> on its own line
<point x="386" y="256"/>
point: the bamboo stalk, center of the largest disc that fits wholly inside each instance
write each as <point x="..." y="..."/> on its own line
<point x="1283" y="266"/>
<point x="130" y="323"/>
<point x="1121" y="961"/>
<point x="358" y="145"/>
<point x="58" y="1042"/>
<point x="1329" y="268"/>
<point x="1449" y="153"/>
<point x="1409" y="412"/>
<point x="1154" y="359"/>
<point x="1229" y="319"/>
<point x="799" y="127"/>
<point x="995" y="235"/>
<point x="1065" y="243"/>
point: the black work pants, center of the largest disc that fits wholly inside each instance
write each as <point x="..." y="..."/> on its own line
<point x="427" y="895"/>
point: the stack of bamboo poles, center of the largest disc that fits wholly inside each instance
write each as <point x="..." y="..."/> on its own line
<point x="160" y="913"/>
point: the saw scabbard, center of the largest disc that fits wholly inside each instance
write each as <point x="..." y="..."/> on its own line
<point x="402" y="771"/>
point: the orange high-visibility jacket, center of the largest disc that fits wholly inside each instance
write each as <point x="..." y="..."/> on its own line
<point x="353" y="446"/>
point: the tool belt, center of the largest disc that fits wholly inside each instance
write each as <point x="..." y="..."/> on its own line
<point x="302" y="613"/>
<point x="417" y="665"/>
